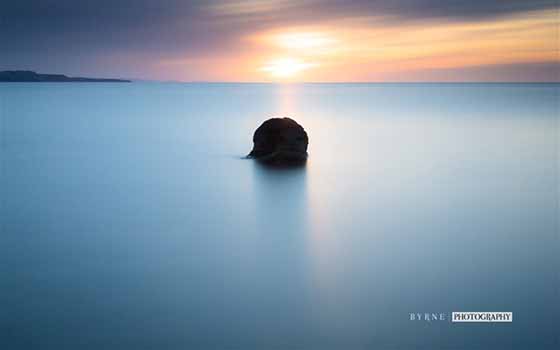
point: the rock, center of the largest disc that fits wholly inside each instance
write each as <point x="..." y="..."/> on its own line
<point x="280" y="140"/>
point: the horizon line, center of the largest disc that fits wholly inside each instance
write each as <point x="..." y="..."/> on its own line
<point x="288" y="82"/>
<point x="338" y="82"/>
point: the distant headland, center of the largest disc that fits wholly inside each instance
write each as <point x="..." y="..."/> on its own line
<point x="27" y="76"/>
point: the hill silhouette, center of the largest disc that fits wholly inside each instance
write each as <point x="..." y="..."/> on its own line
<point x="33" y="77"/>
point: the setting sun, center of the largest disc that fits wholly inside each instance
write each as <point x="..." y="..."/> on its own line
<point x="286" y="67"/>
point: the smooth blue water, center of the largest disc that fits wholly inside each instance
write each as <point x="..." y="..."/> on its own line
<point x="130" y="221"/>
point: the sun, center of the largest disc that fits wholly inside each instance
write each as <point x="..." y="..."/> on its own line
<point x="286" y="67"/>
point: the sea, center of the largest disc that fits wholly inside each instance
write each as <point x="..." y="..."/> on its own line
<point x="130" y="218"/>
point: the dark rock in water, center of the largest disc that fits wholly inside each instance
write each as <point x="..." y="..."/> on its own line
<point x="280" y="140"/>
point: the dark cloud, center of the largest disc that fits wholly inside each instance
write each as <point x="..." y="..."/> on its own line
<point x="458" y="9"/>
<point x="91" y="23"/>
<point x="141" y="10"/>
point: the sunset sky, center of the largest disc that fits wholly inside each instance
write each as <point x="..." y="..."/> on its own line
<point x="284" y="40"/>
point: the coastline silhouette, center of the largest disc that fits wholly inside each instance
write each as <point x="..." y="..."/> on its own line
<point x="25" y="76"/>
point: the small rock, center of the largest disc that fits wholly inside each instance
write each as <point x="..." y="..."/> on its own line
<point x="280" y="140"/>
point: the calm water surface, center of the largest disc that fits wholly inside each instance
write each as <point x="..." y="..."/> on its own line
<point x="130" y="221"/>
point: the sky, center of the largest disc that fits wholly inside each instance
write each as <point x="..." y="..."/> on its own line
<point x="284" y="40"/>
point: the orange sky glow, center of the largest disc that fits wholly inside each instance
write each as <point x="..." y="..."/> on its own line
<point x="371" y="49"/>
